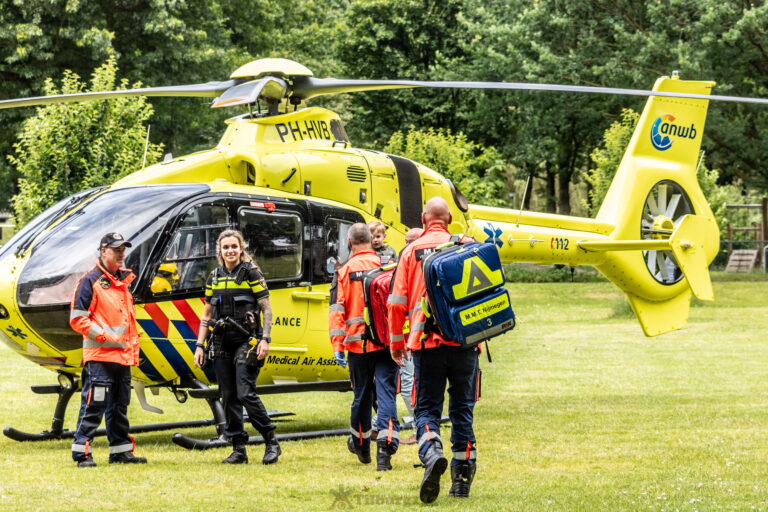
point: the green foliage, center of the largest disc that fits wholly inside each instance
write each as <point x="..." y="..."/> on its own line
<point x="608" y="157"/>
<point x="158" y="43"/>
<point x="389" y="39"/>
<point x="526" y="273"/>
<point x="66" y="148"/>
<point x="545" y="135"/>
<point x="475" y="170"/>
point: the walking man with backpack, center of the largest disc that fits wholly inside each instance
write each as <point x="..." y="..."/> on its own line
<point x="367" y="360"/>
<point x="436" y="360"/>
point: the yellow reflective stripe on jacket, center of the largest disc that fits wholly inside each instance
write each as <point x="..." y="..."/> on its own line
<point x="227" y="284"/>
<point x="256" y="286"/>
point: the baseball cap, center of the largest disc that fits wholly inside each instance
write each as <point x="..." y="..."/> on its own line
<point x="114" y="240"/>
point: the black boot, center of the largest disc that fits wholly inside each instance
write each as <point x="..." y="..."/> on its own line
<point x="86" y="463"/>
<point x="434" y="464"/>
<point x="353" y="447"/>
<point x="127" y="458"/>
<point x="461" y="478"/>
<point x="383" y="455"/>
<point x="238" y="455"/>
<point x="271" y="448"/>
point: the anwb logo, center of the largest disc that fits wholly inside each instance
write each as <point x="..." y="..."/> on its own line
<point x="664" y="129"/>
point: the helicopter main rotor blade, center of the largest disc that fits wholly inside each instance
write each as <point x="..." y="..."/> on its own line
<point x="207" y="90"/>
<point x="308" y="87"/>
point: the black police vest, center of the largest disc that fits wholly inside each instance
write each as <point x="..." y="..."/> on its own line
<point x="232" y="297"/>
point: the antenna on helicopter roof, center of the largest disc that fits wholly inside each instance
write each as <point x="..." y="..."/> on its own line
<point x="146" y="145"/>
<point x="525" y="192"/>
<point x="701" y="159"/>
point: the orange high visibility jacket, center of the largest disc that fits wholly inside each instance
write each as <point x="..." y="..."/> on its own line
<point x="103" y="312"/>
<point x="404" y="302"/>
<point x="346" y="319"/>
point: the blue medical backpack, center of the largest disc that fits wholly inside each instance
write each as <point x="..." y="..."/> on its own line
<point x="465" y="291"/>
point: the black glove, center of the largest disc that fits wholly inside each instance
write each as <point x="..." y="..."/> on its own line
<point x="252" y="357"/>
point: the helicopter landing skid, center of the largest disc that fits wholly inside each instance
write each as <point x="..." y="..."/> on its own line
<point x="66" y="391"/>
<point x="190" y="443"/>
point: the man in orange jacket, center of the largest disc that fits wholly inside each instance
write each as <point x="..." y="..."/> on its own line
<point x="367" y="361"/>
<point x="102" y="311"/>
<point x="436" y="360"/>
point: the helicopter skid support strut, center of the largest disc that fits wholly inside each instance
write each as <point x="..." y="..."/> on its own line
<point x="191" y="443"/>
<point x="57" y="430"/>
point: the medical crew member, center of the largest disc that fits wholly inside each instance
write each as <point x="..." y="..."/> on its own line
<point x="102" y="311"/>
<point x="406" y="372"/>
<point x="436" y="360"/>
<point x="236" y="290"/>
<point x="367" y="361"/>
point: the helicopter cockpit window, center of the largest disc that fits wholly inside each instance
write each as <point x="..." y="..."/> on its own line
<point x="337" y="249"/>
<point x="71" y="248"/>
<point x="21" y="240"/>
<point x="192" y="253"/>
<point x="274" y="240"/>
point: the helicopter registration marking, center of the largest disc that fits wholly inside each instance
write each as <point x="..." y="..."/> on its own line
<point x="558" y="243"/>
<point x="311" y="129"/>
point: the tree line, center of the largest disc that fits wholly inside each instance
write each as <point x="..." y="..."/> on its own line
<point x="551" y="137"/>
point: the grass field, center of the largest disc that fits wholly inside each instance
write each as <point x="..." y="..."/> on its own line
<point x="579" y="412"/>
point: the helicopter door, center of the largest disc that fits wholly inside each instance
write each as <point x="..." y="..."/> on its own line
<point x="385" y="191"/>
<point x="274" y="234"/>
<point x="170" y="316"/>
<point x="330" y="226"/>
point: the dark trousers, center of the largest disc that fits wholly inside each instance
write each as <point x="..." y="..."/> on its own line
<point x="432" y="368"/>
<point x="374" y="374"/>
<point x="237" y="385"/>
<point x="106" y="393"/>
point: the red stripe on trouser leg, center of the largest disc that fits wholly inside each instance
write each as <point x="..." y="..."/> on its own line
<point x="87" y="448"/>
<point x="479" y="384"/>
<point x="469" y="447"/>
<point x="398" y="382"/>
<point x="413" y="393"/>
<point x="133" y="443"/>
<point x="360" y="429"/>
<point x="389" y="435"/>
<point x="88" y="400"/>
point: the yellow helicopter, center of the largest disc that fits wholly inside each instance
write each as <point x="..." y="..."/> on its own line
<point x="287" y="176"/>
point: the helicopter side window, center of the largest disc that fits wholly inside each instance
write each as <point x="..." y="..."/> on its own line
<point x="337" y="249"/>
<point x="275" y="242"/>
<point x="191" y="255"/>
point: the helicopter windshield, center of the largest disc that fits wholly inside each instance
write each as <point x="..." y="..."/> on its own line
<point x="70" y="249"/>
<point x="21" y="240"/>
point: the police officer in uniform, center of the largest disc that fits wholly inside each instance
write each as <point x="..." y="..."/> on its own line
<point x="366" y="360"/>
<point x="235" y="295"/>
<point x="436" y="360"/>
<point x="103" y="312"/>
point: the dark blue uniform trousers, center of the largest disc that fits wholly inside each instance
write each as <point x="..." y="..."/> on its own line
<point x="106" y="393"/>
<point x="432" y="368"/>
<point x="237" y="385"/>
<point x="374" y="372"/>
